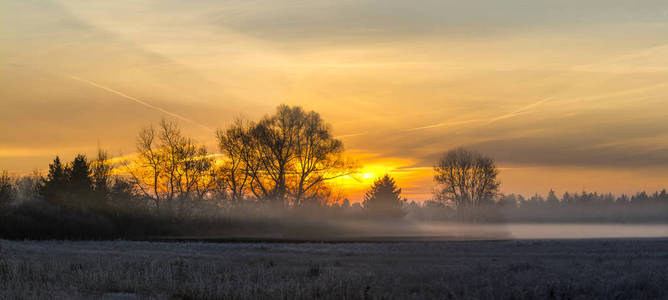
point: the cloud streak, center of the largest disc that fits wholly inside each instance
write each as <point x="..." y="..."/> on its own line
<point x="518" y="112"/>
<point x="137" y="100"/>
<point x="445" y="124"/>
<point x="484" y="121"/>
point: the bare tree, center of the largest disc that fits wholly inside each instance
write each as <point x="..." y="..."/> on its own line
<point x="27" y="187"/>
<point x="234" y="174"/>
<point x="466" y="179"/>
<point x="7" y="190"/>
<point x="275" y="139"/>
<point x="171" y="169"/>
<point x="285" y="158"/>
<point x="146" y="169"/>
<point x="319" y="157"/>
<point x="195" y="176"/>
<point x="101" y="175"/>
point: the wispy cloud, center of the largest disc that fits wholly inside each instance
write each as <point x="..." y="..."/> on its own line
<point x="484" y="121"/>
<point x="349" y="135"/>
<point x="519" y="111"/>
<point x="446" y="124"/>
<point x="137" y="100"/>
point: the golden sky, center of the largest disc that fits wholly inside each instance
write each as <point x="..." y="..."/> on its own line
<point x="568" y="95"/>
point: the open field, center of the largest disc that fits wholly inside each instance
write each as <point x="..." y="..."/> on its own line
<point x="518" y="269"/>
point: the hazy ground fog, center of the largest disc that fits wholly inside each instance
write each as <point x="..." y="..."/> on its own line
<point x="460" y="231"/>
<point x="557" y="231"/>
<point x="518" y="269"/>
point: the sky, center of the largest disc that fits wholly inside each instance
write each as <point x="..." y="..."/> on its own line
<point x="569" y="95"/>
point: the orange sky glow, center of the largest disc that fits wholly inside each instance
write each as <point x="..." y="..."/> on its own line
<point x="563" y="94"/>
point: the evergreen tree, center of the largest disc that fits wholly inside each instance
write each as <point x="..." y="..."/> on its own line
<point x="79" y="183"/>
<point x="567" y="199"/>
<point x="68" y="186"/>
<point x="384" y="199"/>
<point x="54" y="184"/>
<point x="552" y="198"/>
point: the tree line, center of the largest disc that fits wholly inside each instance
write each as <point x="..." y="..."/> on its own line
<point x="282" y="162"/>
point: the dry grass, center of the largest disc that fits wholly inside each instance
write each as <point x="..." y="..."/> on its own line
<point x="522" y="269"/>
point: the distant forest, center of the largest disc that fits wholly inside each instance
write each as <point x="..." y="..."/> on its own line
<point x="272" y="174"/>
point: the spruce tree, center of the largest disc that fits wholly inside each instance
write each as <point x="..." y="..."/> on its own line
<point x="384" y="199"/>
<point x="79" y="183"/>
<point x="54" y="184"/>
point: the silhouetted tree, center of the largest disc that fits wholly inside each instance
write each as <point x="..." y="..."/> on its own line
<point x="552" y="198"/>
<point x="567" y="198"/>
<point x="234" y="174"/>
<point x="384" y="199"/>
<point x="28" y="187"/>
<point x="640" y="198"/>
<point x="534" y="201"/>
<point x="345" y="204"/>
<point x="285" y="158"/>
<point x="79" y="188"/>
<point x="466" y="178"/>
<point x="69" y="186"/>
<point x="53" y="186"/>
<point x="272" y="143"/>
<point x="122" y="198"/>
<point x="508" y="201"/>
<point x="101" y="176"/>
<point x="319" y="156"/>
<point x="171" y="169"/>
<point x="7" y="192"/>
<point x="147" y="170"/>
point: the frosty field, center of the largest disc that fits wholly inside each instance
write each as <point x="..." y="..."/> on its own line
<point x="518" y="269"/>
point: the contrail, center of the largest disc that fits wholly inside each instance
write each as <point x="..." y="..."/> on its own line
<point x="137" y="100"/>
<point x="444" y="124"/>
<point x="349" y="135"/>
<point x="482" y="121"/>
<point x="582" y="98"/>
<point x="518" y="111"/>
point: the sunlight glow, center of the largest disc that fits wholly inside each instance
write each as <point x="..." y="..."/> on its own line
<point x="398" y="90"/>
<point x="404" y="171"/>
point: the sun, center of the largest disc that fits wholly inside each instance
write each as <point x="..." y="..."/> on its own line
<point x="404" y="171"/>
